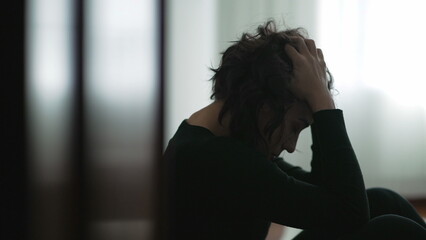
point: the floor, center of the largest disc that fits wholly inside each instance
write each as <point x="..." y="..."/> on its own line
<point x="279" y="232"/>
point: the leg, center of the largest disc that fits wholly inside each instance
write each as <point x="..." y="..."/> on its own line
<point x="384" y="201"/>
<point x="384" y="227"/>
<point x="389" y="227"/>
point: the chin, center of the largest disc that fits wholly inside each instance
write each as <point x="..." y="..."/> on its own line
<point x="276" y="153"/>
<point x="290" y="150"/>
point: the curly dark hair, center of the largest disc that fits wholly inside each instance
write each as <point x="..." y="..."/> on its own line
<point x="256" y="72"/>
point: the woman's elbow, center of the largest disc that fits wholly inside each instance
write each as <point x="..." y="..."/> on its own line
<point x="355" y="218"/>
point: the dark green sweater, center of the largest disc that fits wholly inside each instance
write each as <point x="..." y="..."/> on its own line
<point x="223" y="189"/>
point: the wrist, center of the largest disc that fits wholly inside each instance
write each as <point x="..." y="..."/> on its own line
<point x="320" y="102"/>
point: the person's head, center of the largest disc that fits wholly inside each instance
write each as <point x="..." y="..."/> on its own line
<point x="253" y="81"/>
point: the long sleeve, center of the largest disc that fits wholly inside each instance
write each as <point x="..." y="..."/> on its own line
<point x="338" y="203"/>
<point x="312" y="177"/>
<point x="293" y="171"/>
<point x="224" y="187"/>
<point x="315" y="174"/>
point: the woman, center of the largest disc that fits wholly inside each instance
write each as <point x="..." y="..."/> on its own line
<point x="226" y="181"/>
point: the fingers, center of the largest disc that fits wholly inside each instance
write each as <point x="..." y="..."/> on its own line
<point x="292" y="52"/>
<point x="300" y="45"/>
<point x="305" y="46"/>
<point x="321" y="57"/>
<point x="310" y="44"/>
<point x="320" y="54"/>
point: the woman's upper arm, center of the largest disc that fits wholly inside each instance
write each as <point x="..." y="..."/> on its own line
<point x="337" y="201"/>
<point x="280" y="198"/>
<point x="294" y="171"/>
<point x="312" y="177"/>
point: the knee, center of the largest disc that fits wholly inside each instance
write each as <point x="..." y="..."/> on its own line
<point x="380" y="190"/>
<point x="381" y="194"/>
<point x="384" y="201"/>
<point x="394" y="225"/>
<point x="389" y="226"/>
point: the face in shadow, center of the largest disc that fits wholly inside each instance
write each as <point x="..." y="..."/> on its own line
<point x="285" y="137"/>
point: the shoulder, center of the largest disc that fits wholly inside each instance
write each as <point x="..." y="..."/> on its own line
<point x="216" y="151"/>
<point x="197" y="148"/>
<point x="219" y="148"/>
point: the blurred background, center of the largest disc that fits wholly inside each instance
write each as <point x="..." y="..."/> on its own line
<point x="101" y="86"/>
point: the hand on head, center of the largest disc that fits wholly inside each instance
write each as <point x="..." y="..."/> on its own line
<point x="309" y="71"/>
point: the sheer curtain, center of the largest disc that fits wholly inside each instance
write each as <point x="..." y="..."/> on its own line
<point x="373" y="48"/>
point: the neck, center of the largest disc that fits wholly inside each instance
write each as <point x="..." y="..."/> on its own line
<point x="208" y="118"/>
